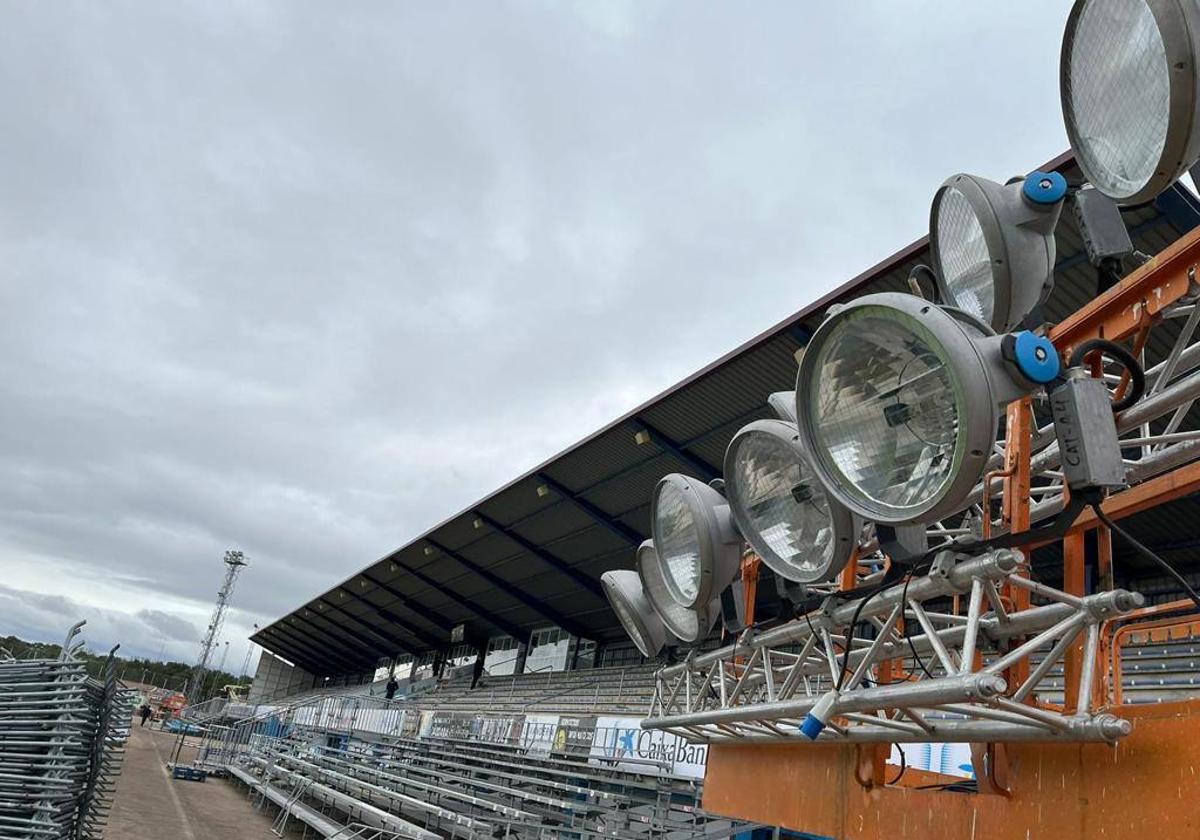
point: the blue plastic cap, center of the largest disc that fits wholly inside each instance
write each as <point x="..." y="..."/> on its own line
<point x="1036" y="357"/>
<point x="1045" y="187"/>
<point x="812" y="727"/>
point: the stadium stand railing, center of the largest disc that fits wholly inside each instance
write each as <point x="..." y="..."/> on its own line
<point x="460" y="762"/>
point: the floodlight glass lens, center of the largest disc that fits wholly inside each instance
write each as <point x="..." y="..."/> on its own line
<point x="966" y="266"/>
<point x="1118" y="92"/>
<point x="784" y="505"/>
<point x="683" y="622"/>
<point x="677" y="539"/>
<point x="886" y="410"/>
<point x="632" y="625"/>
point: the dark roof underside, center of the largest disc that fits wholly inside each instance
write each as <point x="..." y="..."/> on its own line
<point x="522" y="559"/>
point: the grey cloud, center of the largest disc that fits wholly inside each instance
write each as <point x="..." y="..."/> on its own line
<point x="305" y="279"/>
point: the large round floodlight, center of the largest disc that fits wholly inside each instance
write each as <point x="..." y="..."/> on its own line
<point x="897" y="402"/>
<point x="698" y="549"/>
<point x="993" y="245"/>
<point x="641" y="622"/>
<point x="781" y="508"/>
<point x="685" y="623"/>
<point x="1129" y="93"/>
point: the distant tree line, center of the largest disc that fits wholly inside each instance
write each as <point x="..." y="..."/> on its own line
<point x="169" y="675"/>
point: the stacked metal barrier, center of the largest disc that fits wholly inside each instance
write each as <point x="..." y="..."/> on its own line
<point x="62" y="738"/>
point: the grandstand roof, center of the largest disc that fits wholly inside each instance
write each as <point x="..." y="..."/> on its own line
<point x="531" y="554"/>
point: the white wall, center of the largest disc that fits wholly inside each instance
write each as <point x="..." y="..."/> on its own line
<point x="275" y="678"/>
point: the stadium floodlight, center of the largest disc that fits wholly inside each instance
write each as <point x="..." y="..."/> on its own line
<point x="628" y="600"/>
<point x="993" y="244"/>
<point x="781" y="508"/>
<point x="1130" y="94"/>
<point x="898" y="402"/>
<point x="697" y="545"/>
<point x="685" y="623"/>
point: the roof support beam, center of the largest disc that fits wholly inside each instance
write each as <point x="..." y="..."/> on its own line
<point x="617" y="527"/>
<point x="371" y="645"/>
<point x="421" y="635"/>
<point x="518" y="633"/>
<point x="586" y="581"/>
<point x="325" y="637"/>
<point x="409" y="604"/>
<point x="551" y="615"/>
<point x="300" y="650"/>
<point x="706" y="470"/>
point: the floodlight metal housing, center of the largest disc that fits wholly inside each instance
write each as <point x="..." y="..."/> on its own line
<point x="781" y="508"/>
<point x="687" y="624"/>
<point x="1130" y="93"/>
<point x="898" y="402"/>
<point x="624" y="590"/>
<point x="993" y="245"/>
<point x="698" y="547"/>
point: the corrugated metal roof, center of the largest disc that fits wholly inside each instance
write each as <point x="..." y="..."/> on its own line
<point x="520" y="559"/>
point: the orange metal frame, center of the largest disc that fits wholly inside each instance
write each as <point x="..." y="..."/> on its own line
<point x="1059" y="791"/>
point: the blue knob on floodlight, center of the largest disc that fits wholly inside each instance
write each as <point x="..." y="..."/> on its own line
<point x="1036" y="357"/>
<point x="1045" y="187"/>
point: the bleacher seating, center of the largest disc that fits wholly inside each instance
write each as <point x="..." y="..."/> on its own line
<point x="344" y="762"/>
<point x="427" y="788"/>
<point x="622" y="690"/>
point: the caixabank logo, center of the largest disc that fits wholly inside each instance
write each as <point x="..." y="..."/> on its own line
<point x="660" y="746"/>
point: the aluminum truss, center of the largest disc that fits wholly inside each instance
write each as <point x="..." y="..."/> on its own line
<point x="976" y="677"/>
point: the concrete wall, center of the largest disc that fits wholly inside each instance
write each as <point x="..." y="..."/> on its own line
<point x="275" y="678"/>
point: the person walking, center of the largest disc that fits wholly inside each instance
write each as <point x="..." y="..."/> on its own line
<point x="144" y="711"/>
<point x="389" y="690"/>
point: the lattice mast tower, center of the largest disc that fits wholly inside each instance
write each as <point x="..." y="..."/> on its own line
<point x="235" y="561"/>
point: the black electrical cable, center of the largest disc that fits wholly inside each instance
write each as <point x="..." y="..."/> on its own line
<point x="841" y="680"/>
<point x="1147" y="552"/>
<point x="919" y="271"/>
<point x="1137" y="377"/>
<point x="912" y="647"/>
<point x="903" y="764"/>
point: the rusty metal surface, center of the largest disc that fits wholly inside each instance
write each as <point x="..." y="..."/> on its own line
<point x="1146" y="786"/>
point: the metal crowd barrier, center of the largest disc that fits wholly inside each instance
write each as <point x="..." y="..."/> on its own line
<point x="62" y="739"/>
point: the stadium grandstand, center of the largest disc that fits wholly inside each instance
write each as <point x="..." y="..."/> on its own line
<point x="517" y="699"/>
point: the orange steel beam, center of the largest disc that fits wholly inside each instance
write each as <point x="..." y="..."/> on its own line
<point x="1140" y="297"/>
<point x="1136" y="622"/>
<point x="1167" y="487"/>
<point x="1142" y="785"/>
<point x="1019" y="426"/>
<point x="750" y="568"/>
<point x="1074" y="556"/>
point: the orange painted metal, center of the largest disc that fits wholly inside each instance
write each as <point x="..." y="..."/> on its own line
<point x="751" y="563"/>
<point x="1147" y="785"/>
<point x="1176" y="484"/>
<point x="1074" y="559"/>
<point x="1015" y="513"/>
<point x="1144" y="621"/>
<point x="1140" y="297"/>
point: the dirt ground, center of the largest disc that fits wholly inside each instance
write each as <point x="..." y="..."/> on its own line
<point x="149" y="805"/>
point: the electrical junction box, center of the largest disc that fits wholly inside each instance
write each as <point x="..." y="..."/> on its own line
<point x="1087" y="433"/>
<point x="1100" y="224"/>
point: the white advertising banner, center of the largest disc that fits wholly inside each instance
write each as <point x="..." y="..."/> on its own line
<point x="651" y="751"/>
<point x="538" y="735"/>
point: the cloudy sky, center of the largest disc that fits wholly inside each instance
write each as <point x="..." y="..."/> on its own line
<point x="304" y="278"/>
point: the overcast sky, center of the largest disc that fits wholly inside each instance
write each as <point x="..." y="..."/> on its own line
<point x="305" y="278"/>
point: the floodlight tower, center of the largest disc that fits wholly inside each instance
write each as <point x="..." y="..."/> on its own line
<point x="234" y="563"/>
